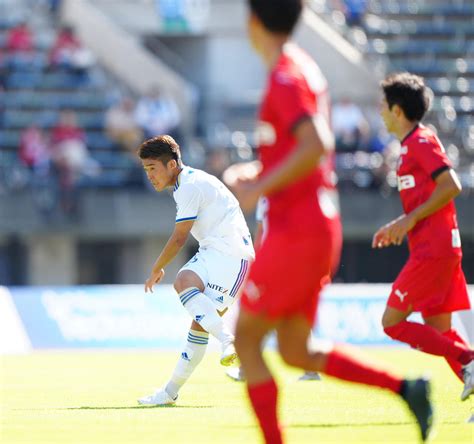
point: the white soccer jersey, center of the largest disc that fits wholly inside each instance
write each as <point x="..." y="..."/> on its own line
<point x="219" y="222"/>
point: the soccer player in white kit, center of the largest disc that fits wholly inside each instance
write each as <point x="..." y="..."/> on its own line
<point x="209" y="283"/>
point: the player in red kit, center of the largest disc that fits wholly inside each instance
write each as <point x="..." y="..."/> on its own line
<point x="432" y="281"/>
<point x="302" y="245"/>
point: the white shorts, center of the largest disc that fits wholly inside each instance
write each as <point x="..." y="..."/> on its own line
<point x="221" y="275"/>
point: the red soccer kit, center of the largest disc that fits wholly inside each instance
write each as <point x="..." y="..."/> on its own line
<point x="302" y="245"/>
<point x="432" y="280"/>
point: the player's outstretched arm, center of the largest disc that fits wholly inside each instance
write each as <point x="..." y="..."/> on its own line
<point x="172" y="248"/>
<point x="447" y="188"/>
<point x="241" y="172"/>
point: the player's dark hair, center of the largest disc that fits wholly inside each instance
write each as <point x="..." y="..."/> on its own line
<point x="278" y="16"/>
<point x="163" y="148"/>
<point x="409" y="92"/>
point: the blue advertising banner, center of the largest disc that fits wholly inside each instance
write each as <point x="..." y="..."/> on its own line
<point x="123" y="316"/>
<point x="119" y="316"/>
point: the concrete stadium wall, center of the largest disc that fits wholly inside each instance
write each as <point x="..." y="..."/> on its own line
<point x="129" y="213"/>
<point x="139" y="223"/>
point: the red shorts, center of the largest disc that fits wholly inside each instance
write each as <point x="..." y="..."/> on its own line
<point x="289" y="272"/>
<point x="430" y="286"/>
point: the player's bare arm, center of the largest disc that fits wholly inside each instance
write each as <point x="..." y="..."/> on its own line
<point x="447" y="188"/>
<point x="243" y="171"/>
<point x="314" y="140"/>
<point x="174" y="245"/>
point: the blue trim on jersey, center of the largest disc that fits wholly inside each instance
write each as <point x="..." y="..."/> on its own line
<point x="240" y="277"/>
<point x="186" y="297"/>
<point x="183" y="219"/>
<point x="178" y="181"/>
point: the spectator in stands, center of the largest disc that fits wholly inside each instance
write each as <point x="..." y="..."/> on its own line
<point x="354" y="11"/>
<point x="19" y="38"/>
<point x="71" y="158"/>
<point x="350" y="126"/>
<point x="34" y="148"/>
<point x="35" y="154"/>
<point x="55" y="7"/>
<point x="69" y="53"/>
<point x="379" y="139"/>
<point x="157" y="113"/>
<point x="121" y="126"/>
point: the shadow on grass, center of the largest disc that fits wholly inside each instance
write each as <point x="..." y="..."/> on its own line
<point x="331" y="425"/>
<point x="366" y="424"/>
<point x="342" y="425"/>
<point x="134" y="407"/>
<point x="130" y="407"/>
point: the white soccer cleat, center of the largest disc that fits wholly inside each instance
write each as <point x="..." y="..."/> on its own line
<point x="236" y="374"/>
<point x="468" y="377"/>
<point x="229" y="355"/>
<point x="160" y="397"/>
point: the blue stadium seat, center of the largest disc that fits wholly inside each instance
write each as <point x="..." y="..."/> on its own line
<point x="23" y="80"/>
<point x="9" y="139"/>
<point x="98" y="141"/>
<point x="26" y="61"/>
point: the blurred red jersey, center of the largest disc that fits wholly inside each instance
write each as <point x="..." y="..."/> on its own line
<point x="296" y="90"/>
<point x="422" y="159"/>
<point x="302" y="246"/>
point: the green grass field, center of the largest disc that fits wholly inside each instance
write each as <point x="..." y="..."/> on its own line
<point x="90" y="397"/>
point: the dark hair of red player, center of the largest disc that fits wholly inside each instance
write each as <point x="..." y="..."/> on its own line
<point x="409" y="92"/>
<point x="278" y="16"/>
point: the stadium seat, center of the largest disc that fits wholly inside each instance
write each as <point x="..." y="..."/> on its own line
<point x="432" y="38"/>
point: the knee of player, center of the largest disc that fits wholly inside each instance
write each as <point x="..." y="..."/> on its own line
<point x="181" y="283"/>
<point x="292" y="357"/>
<point x="388" y="321"/>
<point x="385" y="322"/>
<point x="178" y="286"/>
<point x="187" y="279"/>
